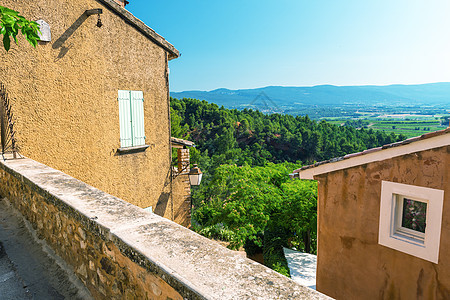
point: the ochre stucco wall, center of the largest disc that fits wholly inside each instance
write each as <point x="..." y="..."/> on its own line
<point x="64" y="99"/>
<point x="182" y="200"/>
<point x="182" y="189"/>
<point x="351" y="264"/>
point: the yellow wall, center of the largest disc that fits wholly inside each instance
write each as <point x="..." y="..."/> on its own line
<point x="351" y="264"/>
<point x="64" y="98"/>
<point x="182" y="200"/>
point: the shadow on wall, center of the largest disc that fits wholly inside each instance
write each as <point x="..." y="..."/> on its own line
<point x="182" y="214"/>
<point x="162" y="203"/>
<point x="60" y="42"/>
<point x="163" y="200"/>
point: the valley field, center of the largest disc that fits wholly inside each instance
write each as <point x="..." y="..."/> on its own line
<point x="406" y="124"/>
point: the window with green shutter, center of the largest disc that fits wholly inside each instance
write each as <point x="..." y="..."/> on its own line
<point x="131" y="117"/>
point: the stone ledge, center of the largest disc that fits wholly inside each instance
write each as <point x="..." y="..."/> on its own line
<point x="194" y="266"/>
<point x="134" y="149"/>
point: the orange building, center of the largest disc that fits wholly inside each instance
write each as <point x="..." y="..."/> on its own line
<point x="92" y="100"/>
<point x="384" y="221"/>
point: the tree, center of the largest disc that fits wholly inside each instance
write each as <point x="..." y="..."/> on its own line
<point x="248" y="201"/>
<point x="10" y="25"/>
<point x="236" y="197"/>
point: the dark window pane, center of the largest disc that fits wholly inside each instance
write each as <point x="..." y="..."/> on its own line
<point x="414" y="215"/>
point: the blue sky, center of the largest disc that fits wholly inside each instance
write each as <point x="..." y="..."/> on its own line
<point x="249" y="43"/>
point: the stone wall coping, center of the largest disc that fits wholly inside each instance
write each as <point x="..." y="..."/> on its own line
<point x="195" y="266"/>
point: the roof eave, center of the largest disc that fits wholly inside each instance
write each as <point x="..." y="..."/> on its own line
<point x="142" y="27"/>
<point x="422" y="143"/>
<point x="180" y="143"/>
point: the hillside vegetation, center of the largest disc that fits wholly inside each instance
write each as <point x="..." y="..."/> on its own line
<point x="246" y="197"/>
<point x="249" y="137"/>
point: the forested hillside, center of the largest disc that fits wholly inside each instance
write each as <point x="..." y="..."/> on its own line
<point x="246" y="197"/>
<point x="253" y="138"/>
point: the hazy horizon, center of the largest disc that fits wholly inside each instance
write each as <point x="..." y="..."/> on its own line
<point x="316" y="85"/>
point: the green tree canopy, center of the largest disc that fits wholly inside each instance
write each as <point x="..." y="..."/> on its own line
<point x="249" y="200"/>
<point x="250" y="137"/>
<point x="11" y="23"/>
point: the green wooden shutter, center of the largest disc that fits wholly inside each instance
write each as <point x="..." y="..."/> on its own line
<point x="137" y="112"/>
<point x="125" y="119"/>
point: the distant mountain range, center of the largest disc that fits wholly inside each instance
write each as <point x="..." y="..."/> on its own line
<point x="280" y="98"/>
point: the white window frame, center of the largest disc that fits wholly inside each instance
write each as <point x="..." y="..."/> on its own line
<point x="131" y="119"/>
<point x="393" y="235"/>
<point x="411" y="235"/>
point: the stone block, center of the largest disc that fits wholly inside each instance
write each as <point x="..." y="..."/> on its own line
<point x="82" y="270"/>
<point x="82" y="233"/>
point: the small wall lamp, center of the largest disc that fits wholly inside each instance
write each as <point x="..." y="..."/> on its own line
<point x="195" y="175"/>
<point x="96" y="11"/>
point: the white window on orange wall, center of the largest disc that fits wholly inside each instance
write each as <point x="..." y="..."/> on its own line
<point x="410" y="219"/>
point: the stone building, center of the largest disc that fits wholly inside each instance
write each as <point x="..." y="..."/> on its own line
<point x="92" y="100"/>
<point x="384" y="221"/>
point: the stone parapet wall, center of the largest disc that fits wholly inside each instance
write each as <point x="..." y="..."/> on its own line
<point x="120" y="251"/>
<point x="83" y="243"/>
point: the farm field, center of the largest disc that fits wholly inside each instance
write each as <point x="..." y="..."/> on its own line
<point x="409" y="125"/>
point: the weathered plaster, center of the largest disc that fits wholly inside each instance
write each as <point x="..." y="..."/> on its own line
<point x="118" y="249"/>
<point x="64" y="99"/>
<point x="181" y="189"/>
<point x="351" y="263"/>
<point x="182" y="200"/>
